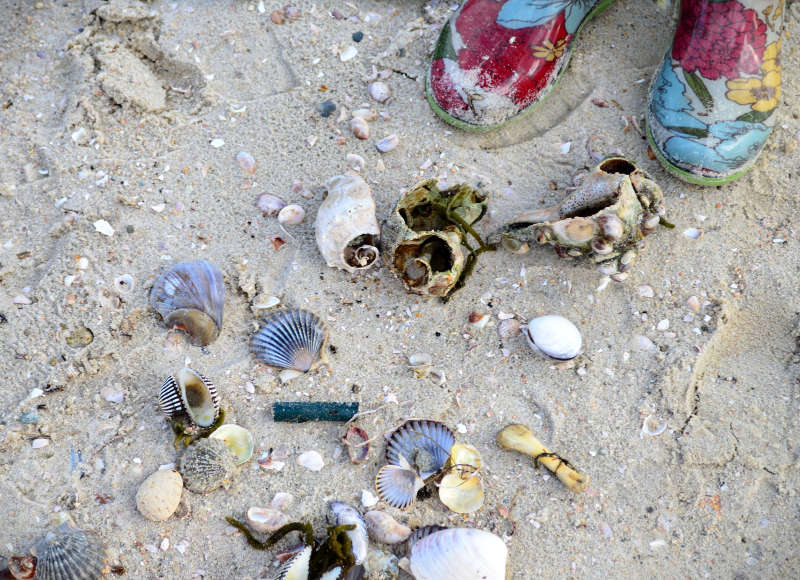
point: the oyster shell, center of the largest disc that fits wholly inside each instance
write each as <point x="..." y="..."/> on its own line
<point x="192" y="394"/>
<point x="554" y="336"/>
<point x="238" y="440"/>
<point x="292" y="340"/>
<point x="342" y="514"/>
<point x="67" y="553"/>
<point x="190" y="296"/>
<point x="463" y="553"/>
<point x="346" y="229"/>
<point x="206" y="465"/>
<point x="422" y="445"/>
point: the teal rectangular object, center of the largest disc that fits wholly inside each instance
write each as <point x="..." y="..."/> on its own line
<point x="300" y="412"/>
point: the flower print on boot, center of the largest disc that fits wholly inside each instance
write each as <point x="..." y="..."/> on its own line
<point x="495" y="59"/>
<point x="711" y="101"/>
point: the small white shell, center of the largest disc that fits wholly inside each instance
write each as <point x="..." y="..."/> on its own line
<point x="554" y="336"/>
<point x="379" y="91"/>
<point x="124" y="284"/>
<point x="311" y="460"/>
<point x="265" y="520"/>
<point x="270" y="204"/>
<point x="159" y="495"/>
<point x="463" y="553"/>
<point x="383" y="528"/>
<point x="292" y="214"/>
<point x="359" y="127"/>
<point x="388" y="143"/>
<point x="238" y="440"/>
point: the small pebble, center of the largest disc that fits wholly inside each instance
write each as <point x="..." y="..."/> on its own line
<point x="646" y="291"/>
<point x="292" y="214"/>
<point x="693" y="302"/>
<point x="217" y="143"/>
<point x="387" y="143"/>
<point x="104" y="227"/>
<point x="29" y="418"/>
<point x="358" y="36"/>
<point x="348" y="53"/>
<point x="40" y="442"/>
<point x="278" y="17"/>
<point x="379" y="91"/>
<point x="692" y="233"/>
<point x="662" y="324"/>
<point x="112" y="395"/>
<point x="326" y="108"/>
<point x="21" y="299"/>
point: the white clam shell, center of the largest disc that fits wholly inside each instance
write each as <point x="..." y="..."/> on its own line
<point x="554" y="336"/>
<point x="346" y="228"/>
<point x="292" y="214"/>
<point x="238" y="440"/>
<point x="159" y="495"/>
<point x="383" y="528"/>
<point x="265" y="520"/>
<point x="463" y="553"/>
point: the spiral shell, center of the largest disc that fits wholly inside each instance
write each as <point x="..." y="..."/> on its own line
<point x="68" y="553"/>
<point x="190" y="296"/>
<point x="191" y="394"/>
<point x="423" y="445"/>
<point x="206" y="465"/>
<point x="291" y="339"/>
<point x="463" y="553"/>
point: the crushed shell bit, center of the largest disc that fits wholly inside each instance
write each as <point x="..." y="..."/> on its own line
<point x="159" y="495"/>
<point x="238" y="440"/>
<point x="191" y="394"/>
<point x="206" y="465"/>
<point x="554" y="336"/>
<point x="397" y="485"/>
<point x="291" y="339"/>
<point x="383" y="528"/>
<point x="423" y="445"/>
<point x="68" y="553"/>
<point x="388" y="143"/>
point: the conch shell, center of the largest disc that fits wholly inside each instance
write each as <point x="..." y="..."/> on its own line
<point x="346" y="228"/>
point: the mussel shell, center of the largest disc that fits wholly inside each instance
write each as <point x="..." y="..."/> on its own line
<point x="398" y="486"/>
<point x="463" y="553"/>
<point x="68" y="553"/>
<point x="297" y="568"/>
<point x="291" y="339"/>
<point x="190" y="296"/>
<point x="554" y="336"/>
<point x="206" y="465"/>
<point x="343" y="514"/>
<point x="192" y="394"/>
<point x="424" y="445"/>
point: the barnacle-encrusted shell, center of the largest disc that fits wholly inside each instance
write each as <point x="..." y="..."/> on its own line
<point x="346" y="228"/>
<point x="206" y="465"/>
<point x="463" y="553"/>
<point x="159" y="495"/>
<point x="554" y="336"/>
<point x="192" y="394"/>
<point x="291" y="339"/>
<point x="342" y="515"/>
<point x="297" y="568"/>
<point x="190" y="296"/>
<point x="383" y="528"/>
<point x="68" y="553"/>
<point x="398" y="485"/>
<point x="238" y="439"/>
<point x="422" y="444"/>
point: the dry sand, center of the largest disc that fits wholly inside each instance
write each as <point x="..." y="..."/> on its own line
<point x="111" y="120"/>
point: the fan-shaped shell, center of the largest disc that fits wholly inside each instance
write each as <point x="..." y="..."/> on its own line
<point x="343" y="514"/>
<point x="238" y="439"/>
<point x="425" y="445"/>
<point x="190" y="393"/>
<point x="397" y="485"/>
<point x="206" y="465"/>
<point x="68" y="553"/>
<point x="190" y="296"/>
<point x="423" y="532"/>
<point x="297" y="568"/>
<point x="463" y="553"/>
<point x="291" y="339"/>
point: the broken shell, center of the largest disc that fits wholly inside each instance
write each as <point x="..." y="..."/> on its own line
<point x="420" y="363"/>
<point x="388" y="143"/>
<point x="554" y="336"/>
<point x="342" y="514"/>
<point x="423" y="445"/>
<point x="206" y="465"/>
<point x="398" y="485"/>
<point x="478" y="320"/>
<point x="311" y="460"/>
<point x="383" y="528"/>
<point x="366" y="114"/>
<point x="292" y="214"/>
<point x="238" y="440"/>
<point x="508" y="328"/>
<point x="346" y="229"/>
<point x="159" y="495"/>
<point x="20" y="567"/>
<point x="265" y="520"/>
<point x="296" y="568"/>
<point x="246" y="162"/>
<point x="269" y="204"/>
<point x="463" y="553"/>
<point x="190" y="297"/>
<point x="68" y="553"/>
<point x="359" y="127"/>
<point x="291" y="339"/>
<point x="357" y="442"/>
<point x="191" y="394"/>
<point x="379" y="91"/>
<point x="653" y="425"/>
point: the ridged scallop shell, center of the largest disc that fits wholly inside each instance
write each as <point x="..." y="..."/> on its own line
<point x="190" y="296"/>
<point x="159" y="495"/>
<point x="238" y="440"/>
<point x="291" y="339"/>
<point x="68" y="553"/>
<point x="423" y="532"/>
<point x="397" y="485"/>
<point x="192" y="394"/>
<point x="383" y="528"/>
<point x="463" y="553"/>
<point x="206" y="465"/>
<point x="554" y="336"/>
<point x="423" y="444"/>
<point x="343" y="514"/>
<point x="297" y="568"/>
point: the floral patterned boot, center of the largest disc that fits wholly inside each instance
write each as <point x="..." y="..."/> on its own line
<point x="712" y="100"/>
<point x="495" y="59"/>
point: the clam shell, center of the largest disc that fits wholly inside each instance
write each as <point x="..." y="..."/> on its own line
<point x="423" y="532"/>
<point x="265" y="520"/>
<point x="190" y="296"/>
<point x="463" y="553"/>
<point x="190" y="393"/>
<point x="461" y="495"/>
<point x="554" y="336"/>
<point x="398" y="486"/>
<point x="343" y="514"/>
<point x="296" y="568"/>
<point x="159" y="495"/>
<point x="68" y="553"/>
<point x="238" y="440"/>
<point x="291" y="339"/>
<point x="383" y="528"/>
<point x="422" y="444"/>
<point x="206" y="465"/>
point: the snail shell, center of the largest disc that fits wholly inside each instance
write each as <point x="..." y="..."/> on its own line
<point x="346" y="228"/>
<point x="191" y="394"/>
<point x="68" y="553"/>
<point x="159" y="495"/>
<point x="190" y="296"/>
<point x="291" y="339"/>
<point x="463" y="553"/>
<point x="206" y="465"/>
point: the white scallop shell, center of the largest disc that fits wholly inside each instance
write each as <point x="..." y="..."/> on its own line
<point x="383" y="528"/>
<point x="190" y="393"/>
<point x="238" y="440"/>
<point x="344" y="514"/>
<point x="463" y="553"/>
<point x="291" y="339"/>
<point x="398" y="485"/>
<point x="346" y="228"/>
<point x="68" y="553"/>
<point x="159" y="495"/>
<point x="424" y="445"/>
<point x="554" y="336"/>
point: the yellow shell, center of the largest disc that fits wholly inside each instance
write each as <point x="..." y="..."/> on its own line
<point x="159" y="495"/>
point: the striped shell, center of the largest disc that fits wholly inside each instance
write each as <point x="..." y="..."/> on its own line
<point x="343" y="514"/>
<point x="423" y="532"/>
<point x="422" y="444"/>
<point x="190" y="296"/>
<point x="296" y="568"/>
<point x="463" y="553"/>
<point x="291" y="339"/>
<point x="68" y="553"/>
<point x="398" y="485"/>
<point x="191" y="394"/>
<point x="206" y="465"/>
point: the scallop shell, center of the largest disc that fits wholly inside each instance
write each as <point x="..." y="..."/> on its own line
<point x="206" y="465"/>
<point x="346" y="229"/>
<point x="265" y="520"/>
<point x="291" y="339"/>
<point x="238" y="440"/>
<point x="297" y="568"/>
<point x="554" y="336"/>
<point x="422" y="444"/>
<point x="463" y="553"/>
<point x="68" y="553"/>
<point x="159" y="495"/>
<point x="397" y="485"/>
<point x="343" y="514"/>
<point x="190" y="296"/>
<point x="190" y="393"/>
<point x="423" y="532"/>
<point x="383" y="528"/>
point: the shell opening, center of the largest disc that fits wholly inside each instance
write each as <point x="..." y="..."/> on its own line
<point x="197" y="397"/>
<point x="361" y="252"/>
<point x="420" y="259"/>
<point x="196" y="323"/>
<point x="617" y="165"/>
